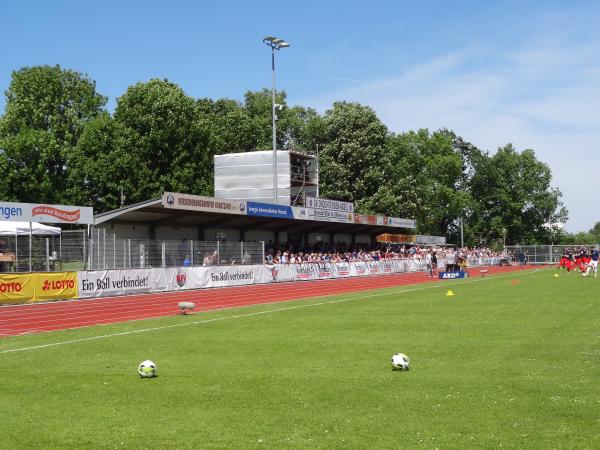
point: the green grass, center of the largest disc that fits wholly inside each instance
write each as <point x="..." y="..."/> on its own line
<point x="497" y="365"/>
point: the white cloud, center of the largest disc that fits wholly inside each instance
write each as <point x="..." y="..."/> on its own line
<point x="544" y="95"/>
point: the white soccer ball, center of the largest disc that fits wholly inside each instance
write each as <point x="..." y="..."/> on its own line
<point x="147" y="369"/>
<point x="400" y="361"/>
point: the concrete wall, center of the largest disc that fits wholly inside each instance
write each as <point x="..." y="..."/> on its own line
<point x="126" y="231"/>
<point x="210" y="234"/>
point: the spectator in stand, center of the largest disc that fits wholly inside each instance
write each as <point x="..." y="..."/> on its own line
<point x="187" y="262"/>
<point x="207" y="261"/>
<point x="246" y="258"/>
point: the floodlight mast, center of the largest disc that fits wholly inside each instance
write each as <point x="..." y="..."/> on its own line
<point x="275" y="44"/>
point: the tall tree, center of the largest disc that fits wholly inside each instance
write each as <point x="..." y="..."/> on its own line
<point x="171" y="142"/>
<point x="228" y="125"/>
<point x="351" y="163"/>
<point x="47" y="108"/>
<point x="429" y="173"/>
<point x="513" y="193"/>
<point x="298" y="128"/>
<point x="105" y="164"/>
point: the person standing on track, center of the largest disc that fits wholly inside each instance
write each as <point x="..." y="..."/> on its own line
<point x="429" y="264"/>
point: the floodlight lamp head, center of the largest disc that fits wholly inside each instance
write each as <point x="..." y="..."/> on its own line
<point x="275" y="43"/>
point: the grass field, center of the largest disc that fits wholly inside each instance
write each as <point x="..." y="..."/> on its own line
<point x="500" y="364"/>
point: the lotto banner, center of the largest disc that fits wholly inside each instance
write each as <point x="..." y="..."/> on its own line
<point x="55" y="286"/>
<point x="16" y="288"/>
<point x="37" y="287"/>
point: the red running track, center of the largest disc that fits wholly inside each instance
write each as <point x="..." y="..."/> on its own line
<point x="50" y="316"/>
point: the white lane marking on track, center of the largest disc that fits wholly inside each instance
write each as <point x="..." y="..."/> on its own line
<point x="258" y="313"/>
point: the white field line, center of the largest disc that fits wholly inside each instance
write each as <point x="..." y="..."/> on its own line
<point x="259" y="313"/>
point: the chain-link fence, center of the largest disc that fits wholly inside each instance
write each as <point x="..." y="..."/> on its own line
<point x="72" y="250"/>
<point x="108" y="252"/>
<point x="30" y="253"/>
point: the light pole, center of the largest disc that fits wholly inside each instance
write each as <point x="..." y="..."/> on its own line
<point x="275" y="44"/>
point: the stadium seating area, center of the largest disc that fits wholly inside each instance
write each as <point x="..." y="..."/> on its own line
<point x="339" y="252"/>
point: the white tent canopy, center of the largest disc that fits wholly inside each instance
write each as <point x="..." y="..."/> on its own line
<point x="22" y="229"/>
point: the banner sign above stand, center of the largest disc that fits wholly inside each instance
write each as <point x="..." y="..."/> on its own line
<point x="41" y="212"/>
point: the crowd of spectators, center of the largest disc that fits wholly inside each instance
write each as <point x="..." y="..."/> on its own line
<point x="342" y="252"/>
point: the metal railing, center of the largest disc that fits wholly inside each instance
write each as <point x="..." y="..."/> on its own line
<point x="31" y="253"/>
<point x="541" y="254"/>
<point x="72" y="251"/>
<point x="108" y="252"/>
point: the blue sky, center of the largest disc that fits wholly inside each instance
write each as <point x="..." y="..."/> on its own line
<point x="494" y="72"/>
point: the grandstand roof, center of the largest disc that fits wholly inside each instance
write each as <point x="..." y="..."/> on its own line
<point x="155" y="213"/>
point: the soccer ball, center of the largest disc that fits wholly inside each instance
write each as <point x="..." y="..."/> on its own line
<point x="400" y="361"/>
<point x="147" y="369"/>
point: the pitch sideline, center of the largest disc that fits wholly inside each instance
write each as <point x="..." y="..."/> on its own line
<point x="258" y="313"/>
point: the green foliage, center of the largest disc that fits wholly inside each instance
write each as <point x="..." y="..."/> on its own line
<point x="512" y="192"/>
<point x="169" y="140"/>
<point x="353" y="159"/>
<point x="592" y="237"/>
<point x="428" y="176"/>
<point x="103" y="164"/>
<point x="58" y="145"/>
<point x="484" y="374"/>
<point x="47" y="108"/>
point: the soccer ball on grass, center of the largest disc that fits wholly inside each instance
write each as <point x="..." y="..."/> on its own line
<point x="400" y="361"/>
<point x="147" y="369"/>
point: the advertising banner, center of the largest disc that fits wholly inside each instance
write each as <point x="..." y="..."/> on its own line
<point x="299" y="212"/>
<point x="137" y="281"/>
<point x="452" y="275"/>
<point x="269" y="210"/>
<point x="39" y="212"/>
<point x="431" y="240"/>
<point x="397" y="238"/>
<point x="328" y="215"/>
<point x="106" y="283"/>
<point x="382" y="220"/>
<point x="55" y="286"/>
<point x="332" y="205"/>
<point x="404" y="223"/>
<point x="16" y="288"/>
<point x="365" y="219"/>
<point x="37" y="287"/>
<point x="206" y="204"/>
<point x="103" y="283"/>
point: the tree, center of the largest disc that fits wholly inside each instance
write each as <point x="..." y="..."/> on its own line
<point x="47" y="108"/>
<point x="228" y="125"/>
<point x="512" y="191"/>
<point x="171" y="142"/>
<point x="104" y="163"/>
<point x="429" y="176"/>
<point x="352" y="161"/>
